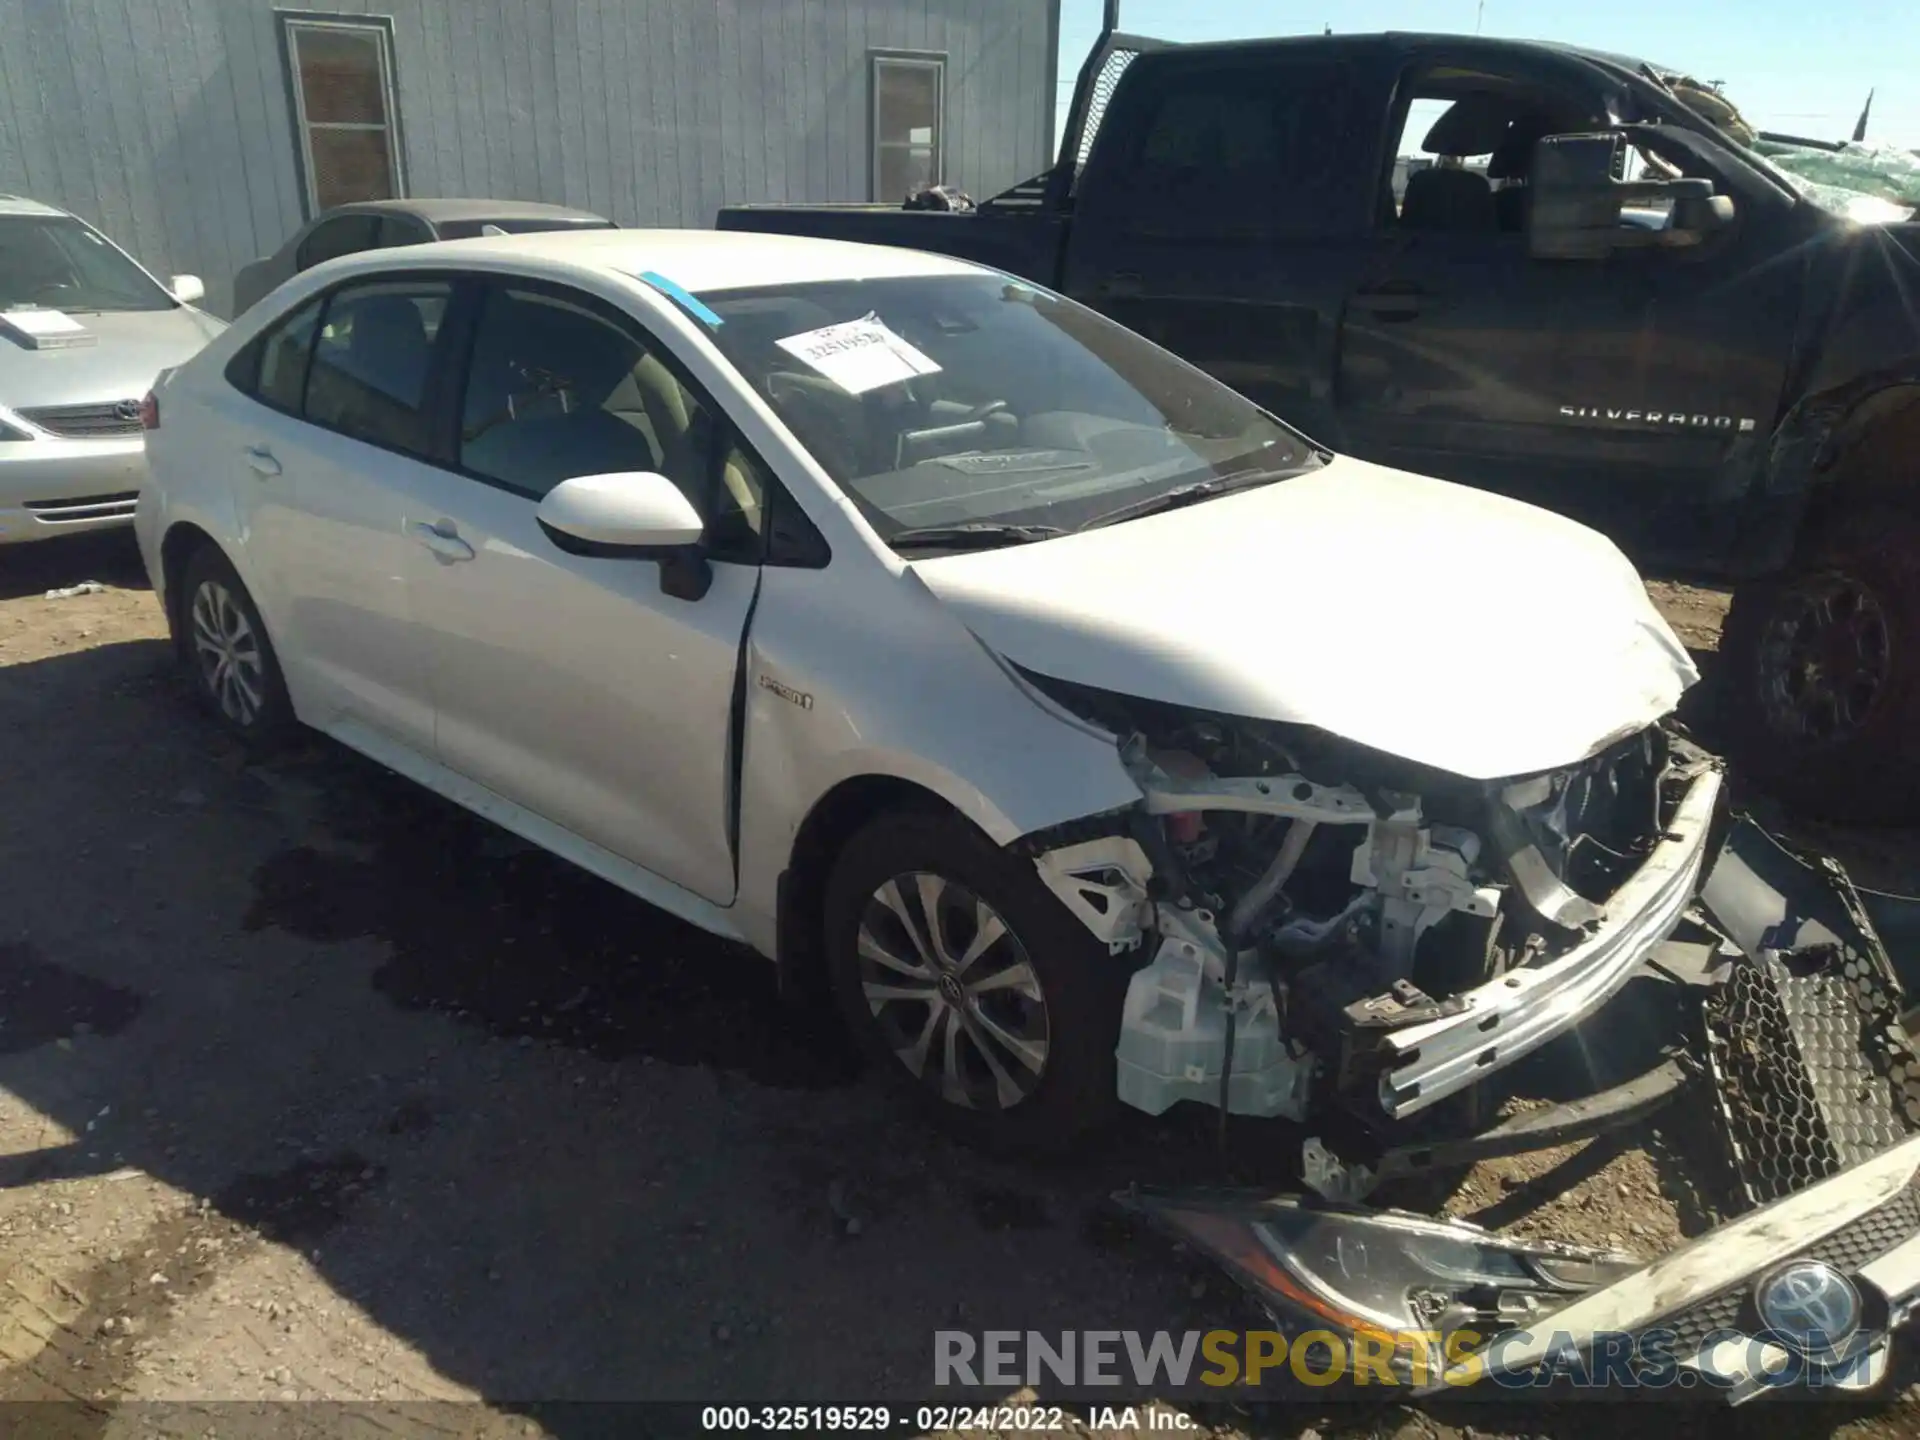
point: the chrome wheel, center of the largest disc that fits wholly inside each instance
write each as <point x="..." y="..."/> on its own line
<point x="953" y="991"/>
<point x="227" y="651"/>
<point x="1824" y="659"/>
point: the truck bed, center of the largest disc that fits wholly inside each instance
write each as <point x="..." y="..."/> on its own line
<point x="1026" y="243"/>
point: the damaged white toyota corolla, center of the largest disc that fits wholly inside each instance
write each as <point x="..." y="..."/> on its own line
<point x="1097" y="737"/>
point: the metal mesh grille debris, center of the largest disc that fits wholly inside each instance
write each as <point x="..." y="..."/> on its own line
<point x="1814" y="1071"/>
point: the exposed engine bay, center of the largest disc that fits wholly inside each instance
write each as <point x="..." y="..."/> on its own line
<point x="1334" y="936"/>
<point x="1308" y="904"/>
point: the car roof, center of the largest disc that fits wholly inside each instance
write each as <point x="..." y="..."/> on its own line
<point x="21" y="205"/>
<point x="435" y="209"/>
<point x="702" y="261"/>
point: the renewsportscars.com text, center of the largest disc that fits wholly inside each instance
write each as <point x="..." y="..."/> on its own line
<point x="1223" y="1358"/>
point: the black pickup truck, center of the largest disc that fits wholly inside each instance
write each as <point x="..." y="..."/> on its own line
<point x="1579" y="292"/>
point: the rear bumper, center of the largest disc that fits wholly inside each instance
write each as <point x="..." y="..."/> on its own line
<point x="61" y="487"/>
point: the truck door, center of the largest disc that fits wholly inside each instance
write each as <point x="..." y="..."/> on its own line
<point x="1632" y="392"/>
<point x="1221" y="206"/>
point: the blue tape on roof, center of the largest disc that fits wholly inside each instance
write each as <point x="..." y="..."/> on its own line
<point x="686" y="299"/>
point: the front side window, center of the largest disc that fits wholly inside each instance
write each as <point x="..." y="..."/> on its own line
<point x="372" y="360"/>
<point x="56" y="262"/>
<point x="558" y="386"/>
<point x="909" y="98"/>
<point x="958" y="399"/>
<point x="342" y="74"/>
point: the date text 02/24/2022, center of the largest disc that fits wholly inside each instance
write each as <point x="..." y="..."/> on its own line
<point x="931" y="1419"/>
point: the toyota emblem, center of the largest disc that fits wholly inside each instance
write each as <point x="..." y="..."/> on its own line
<point x="126" y="409"/>
<point x="1809" y="1305"/>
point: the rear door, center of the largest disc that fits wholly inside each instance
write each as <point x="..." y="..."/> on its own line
<point x="331" y="464"/>
<point x="1222" y="206"/>
<point x="574" y="685"/>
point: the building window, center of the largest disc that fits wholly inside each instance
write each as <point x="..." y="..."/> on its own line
<point x="909" y="102"/>
<point x="342" y="77"/>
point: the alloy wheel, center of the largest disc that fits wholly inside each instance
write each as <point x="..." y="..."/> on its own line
<point x="1824" y="659"/>
<point x="953" y="991"/>
<point x="228" y="653"/>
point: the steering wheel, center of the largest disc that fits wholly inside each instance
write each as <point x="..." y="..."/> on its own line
<point x="981" y="412"/>
<point x="50" y="293"/>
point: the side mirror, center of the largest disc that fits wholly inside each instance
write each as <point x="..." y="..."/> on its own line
<point x="187" y="289"/>
<point x="1576" y="198"/>
<point x="633" y="514"/>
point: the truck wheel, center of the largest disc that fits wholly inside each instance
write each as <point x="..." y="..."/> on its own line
<point x="1824" y="672"/>
<point x="969" y="983"/>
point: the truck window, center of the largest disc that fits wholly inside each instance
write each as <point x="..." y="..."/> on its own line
<point x="1252" y="145"/>
<point x="1464" y="150"/>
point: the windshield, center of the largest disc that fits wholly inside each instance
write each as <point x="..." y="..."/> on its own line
<point x="58" y="263"/>
<point x="974" y="399"/>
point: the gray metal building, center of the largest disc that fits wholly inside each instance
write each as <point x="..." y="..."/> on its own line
<point x="201" y="133"/>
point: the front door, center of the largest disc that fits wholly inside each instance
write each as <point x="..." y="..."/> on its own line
<point x="573" y="685"/>
<point x="1632" y="392"/>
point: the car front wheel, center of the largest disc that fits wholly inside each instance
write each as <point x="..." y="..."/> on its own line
<point x="972" y="986"/>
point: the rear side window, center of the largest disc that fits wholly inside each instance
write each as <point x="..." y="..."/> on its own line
<point x="402" y="230"/>
<point x="372" y="361"/>
<point x="1263" y="146"/>
<point x="342" y="235"/>
<point x="272" y="368"/>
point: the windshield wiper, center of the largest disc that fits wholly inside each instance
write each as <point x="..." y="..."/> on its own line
<point x="971" y="535"/>
<point x="1190" y="494"/>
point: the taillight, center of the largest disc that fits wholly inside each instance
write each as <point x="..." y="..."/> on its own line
<point x="149" y="411"/>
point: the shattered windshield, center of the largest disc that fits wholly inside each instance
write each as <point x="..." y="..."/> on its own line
<point x="1858" y="180"/>
<point x="978" y="401"/>
<point x="57" y="263"/>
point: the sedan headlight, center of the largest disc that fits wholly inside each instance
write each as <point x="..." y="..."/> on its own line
<point x="1395" y="1279"/>
<point x="10" y="429"/>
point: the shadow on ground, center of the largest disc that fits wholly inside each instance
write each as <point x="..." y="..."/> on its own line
<point x="107" y="556"/>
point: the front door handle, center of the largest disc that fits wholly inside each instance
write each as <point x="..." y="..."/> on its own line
<point x="441" y="540"/>
<point x="261" y="460"/>
<point x="1389" y="302"/>
<point x="1123" y="283"/>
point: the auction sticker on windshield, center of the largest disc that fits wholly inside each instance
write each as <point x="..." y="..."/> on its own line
<point x="859" y="355"/>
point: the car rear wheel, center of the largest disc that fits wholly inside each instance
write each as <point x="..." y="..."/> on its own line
<point x="972" y="986"/>
<point x="1824" y="665"/>
<point x="229" y="659"/>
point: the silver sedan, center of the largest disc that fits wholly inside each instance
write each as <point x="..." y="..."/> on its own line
<point x="84" y="331"/>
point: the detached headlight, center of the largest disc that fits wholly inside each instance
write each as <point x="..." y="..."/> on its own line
<point x="1385" y="1275"/>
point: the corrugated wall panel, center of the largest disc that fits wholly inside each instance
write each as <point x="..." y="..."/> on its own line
<point x="168" y="122"/>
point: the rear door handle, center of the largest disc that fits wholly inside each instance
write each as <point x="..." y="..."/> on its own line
<point x="442" y="542"/>
<point x="262" y="461"/>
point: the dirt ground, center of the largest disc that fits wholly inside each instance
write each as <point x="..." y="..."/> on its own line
<point x="313" y="1088"/>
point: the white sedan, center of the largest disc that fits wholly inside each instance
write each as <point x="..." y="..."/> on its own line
<point x="1096" y="737"/>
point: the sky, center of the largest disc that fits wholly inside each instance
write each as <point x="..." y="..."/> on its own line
<point x="1799" y="66"/>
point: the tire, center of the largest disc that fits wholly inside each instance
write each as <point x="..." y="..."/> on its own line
<point x="1823" y="671"/>
<point x="228" y="659"/>
<point x="1063" y="1006"/>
